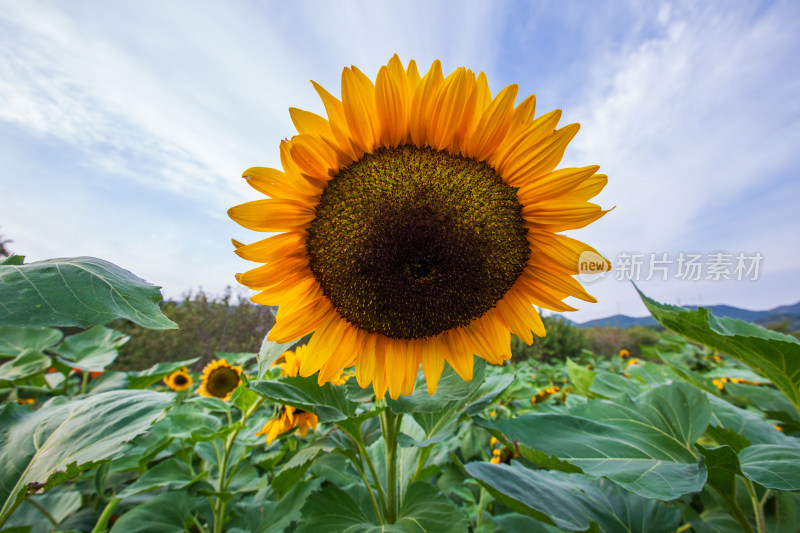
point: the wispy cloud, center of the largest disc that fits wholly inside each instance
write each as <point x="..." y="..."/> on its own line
<point x="150" y="114"/>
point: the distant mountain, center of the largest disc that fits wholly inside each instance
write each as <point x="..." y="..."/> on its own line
<point x="778" y="314"/>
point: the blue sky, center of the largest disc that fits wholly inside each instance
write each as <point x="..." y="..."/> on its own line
<point x="125" y="127"/>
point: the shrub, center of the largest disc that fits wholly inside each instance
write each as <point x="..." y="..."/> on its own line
<point x="229" y="323"/>
<point x="563" y="340"/>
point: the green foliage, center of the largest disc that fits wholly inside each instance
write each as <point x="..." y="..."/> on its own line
<point x="207" y="325"/>
<point x="692" y="437"/>
<point x="562" y="340"/>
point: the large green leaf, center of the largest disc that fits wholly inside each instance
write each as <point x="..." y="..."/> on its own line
<point x="645" y="444"/>
<point x="773" y="355"/>
<point x="170" y="474"/>
<point x="30" y="362"/>
<point x="580" y="377"/>
<point x="59" y="504"/>
<point x="438" y="414"/>
<point x="423" y="510"/>
<point x="572" y="501"/>
<point x="79" y="291"/>
<point x="329" y="402"/>
<point x="91" y="350"/>
<point x="772" y="466"/>
<point x="268" y="354"/>
<point x="64" y="437"/>
<point x="165" y="513"/>
<point x="14" y="341"/>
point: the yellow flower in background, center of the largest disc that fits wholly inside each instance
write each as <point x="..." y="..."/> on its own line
<point x="219" y="380"/>
<point x="291" y="365"/>
<point x="179" y="380"/>
<point x="289" y="419"/>
<point x="544" y="394"/>
<point x="624" y="353"/>
<point x="419" y="223"/>
<point x="26" y="401"/>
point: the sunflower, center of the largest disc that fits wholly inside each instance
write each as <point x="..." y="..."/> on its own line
<point x="219" y="379"/>
<point x="291" y="361"/>
<point x="288" y="419"/>
<point x="179" y="380"/>
<point x="417" y="224"/>
<point x="623" y="353"/>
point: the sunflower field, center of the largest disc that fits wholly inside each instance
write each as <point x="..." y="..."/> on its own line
<point x="405" y="239"/>
<point x="697" y="435"/>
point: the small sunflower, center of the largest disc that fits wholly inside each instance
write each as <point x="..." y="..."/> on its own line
<point x="419" y="223"/>
<point x="623" y="353"/>
<point x="219" y="379"/>
<point x="289" y="418"/>
<point x="179" y="380"/>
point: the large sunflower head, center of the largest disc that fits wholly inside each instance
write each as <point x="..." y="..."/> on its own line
<point x="417" y="224"/>
<point x="219" y="379"/>
<point x="179" y="380"/>
<point x="288" y="419"/>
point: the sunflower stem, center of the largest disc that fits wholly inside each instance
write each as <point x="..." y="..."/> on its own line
<point x="389" y="426"/>
<point x="758" y="508"/>
<point x="363" y="451"/>
<point x="105" y="516"/>
<point x="224" y="479"/>
<point x="84" y="380"/>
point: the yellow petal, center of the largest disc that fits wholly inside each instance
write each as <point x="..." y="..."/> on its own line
<point x="358" y="99"/>
<point x="337" y="122"/>
<point x="433" y="362"/>
<point x="365" y="363"/>
<point x="291" y="243"/>
<point x="518" y="149"/>
<point x="559" y="211"/>
<point x="555" y="184"/>
<point x="422" y="102"/>
<point x="493" y="125"/>
<point x="273" y="215"/>
<point x="314" y="157"/>
<point x="543" y="158"/>
<point x="447" y="107"/>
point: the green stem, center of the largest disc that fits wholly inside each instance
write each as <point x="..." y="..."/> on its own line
<point x="44" y="511"/>
<point x="363" y="475"/>
<point x="389" y="423"/>
<point x="423" y="456"/>
<point x="105" y="516"/>
<point x="757" y="507"/>
<point x="222" y="484"/>
<point x="84" y="380"/>
<point x="730" y="501"/>
<point x="362" y="450"/>
<point x="5" y="516"/>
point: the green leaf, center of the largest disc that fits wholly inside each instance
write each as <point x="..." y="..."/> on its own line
<point x="80" y="291"/>
<point x="186" y="422"/>
<point x="424" y="509"/>
<point x="29" y="363"/>
<point x="610" y="385"/>
<point x="328" y="401"/>
<point x="722" y="465"/>
<point x="157" y="372"/>
<point x="14" y="341"/>
<point x="170" y="474"/>
<point x="773" y="355"/>
<point x="59" y="504"/>
<point x="580" y="377"/>
<point x="644" y="445"/>
<point x="274" y="516"/>
<point x="64" y="437"/>
<point x="294" y="470"/>
<point x="91" y="350"/>
<point x="573" y="502"/>
<point x="749" y="425"/>
<point x="772" y="466"/>
<point x="268" y="354"/>
<point x="13" y="260"/>
<point x="165" y="513"/>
